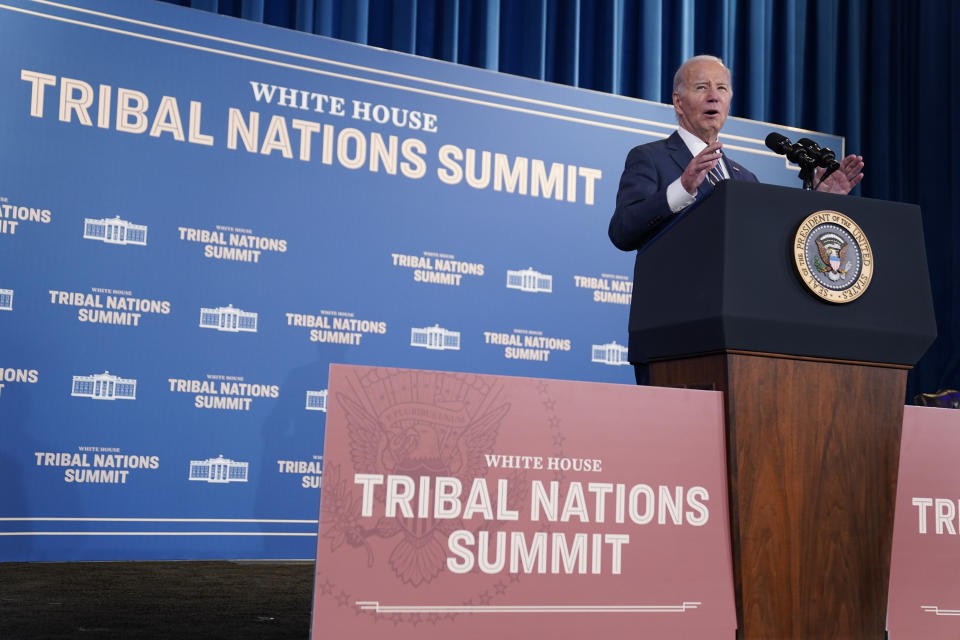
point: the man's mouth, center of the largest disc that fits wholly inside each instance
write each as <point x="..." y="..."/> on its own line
<point x="711" y="112"/>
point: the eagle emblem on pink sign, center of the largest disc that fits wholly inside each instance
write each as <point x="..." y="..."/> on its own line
<point x="419" y="425"/>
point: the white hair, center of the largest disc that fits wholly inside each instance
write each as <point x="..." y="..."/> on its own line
<point x="679" y="75"/>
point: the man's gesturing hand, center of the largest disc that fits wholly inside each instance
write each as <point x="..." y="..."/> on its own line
<point x="696" y="171"/>
<point x="845" y="178"/>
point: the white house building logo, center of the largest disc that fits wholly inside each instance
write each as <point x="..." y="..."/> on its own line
<point x="104" y="386"/>
<point x="228" y="318"/>
<point x="219" y="470"/>
<point x="610" y="353"/>
<point x="530" y="281"/>
<point x="317" y="400"/>
<point x="6" y="299"/>
<point x="114" y="231"/>
<point x="435" y="337"/>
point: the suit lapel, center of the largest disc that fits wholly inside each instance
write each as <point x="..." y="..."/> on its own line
<point x="680" y="154"/>
<point x="678" y="151"/>
<point x="733" y="169"/>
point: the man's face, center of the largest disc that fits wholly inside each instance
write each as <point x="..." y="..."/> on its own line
<point x="703" y="99"/>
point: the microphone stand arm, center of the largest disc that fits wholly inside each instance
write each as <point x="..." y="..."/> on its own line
<point x="806" y="175"/>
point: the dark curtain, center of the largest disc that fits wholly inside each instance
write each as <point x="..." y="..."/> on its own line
<point x="883" y="73"/>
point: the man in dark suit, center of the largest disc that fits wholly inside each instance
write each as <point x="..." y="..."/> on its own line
<point x="661" y="179"/>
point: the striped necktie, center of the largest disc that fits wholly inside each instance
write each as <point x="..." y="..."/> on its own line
<point x="715" y="175"/>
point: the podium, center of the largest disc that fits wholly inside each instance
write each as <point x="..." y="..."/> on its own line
<point x="814" y="394"/>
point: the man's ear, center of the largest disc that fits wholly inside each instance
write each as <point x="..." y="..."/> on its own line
<point x="676" y="103"/>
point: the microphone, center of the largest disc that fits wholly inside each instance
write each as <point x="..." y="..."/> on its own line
<point x="795" y="153"/>
<point x="778" y="143"/>
<point x="824" y="156"/>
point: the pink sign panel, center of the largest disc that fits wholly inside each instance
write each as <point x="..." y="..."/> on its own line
<point x="469" y="506"/>
<point x="924" y="597"/>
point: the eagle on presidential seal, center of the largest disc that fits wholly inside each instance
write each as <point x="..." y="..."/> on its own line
<point x="832" y="261"/>
<point x="414" y="424"/>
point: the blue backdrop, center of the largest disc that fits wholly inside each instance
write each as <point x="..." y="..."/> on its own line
<point x="199" y="214"/>
<point x="877" y="72"/>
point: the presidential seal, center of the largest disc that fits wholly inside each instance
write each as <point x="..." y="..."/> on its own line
<point x="833" y="256"/>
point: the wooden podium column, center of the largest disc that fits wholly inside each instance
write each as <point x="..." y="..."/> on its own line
<point x="812" y="453"/>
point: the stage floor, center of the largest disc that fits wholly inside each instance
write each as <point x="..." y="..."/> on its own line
<point x="155" y="600"/>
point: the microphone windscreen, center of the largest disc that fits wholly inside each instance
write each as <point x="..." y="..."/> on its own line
<point x="778" y="143"/>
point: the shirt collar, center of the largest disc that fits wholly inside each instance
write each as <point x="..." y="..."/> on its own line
<point x="696" y="145"/>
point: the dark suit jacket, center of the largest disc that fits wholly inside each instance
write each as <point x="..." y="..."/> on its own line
<point x="642" y="210"/>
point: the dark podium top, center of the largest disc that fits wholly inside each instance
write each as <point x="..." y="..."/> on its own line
<point x="722" y="277"/>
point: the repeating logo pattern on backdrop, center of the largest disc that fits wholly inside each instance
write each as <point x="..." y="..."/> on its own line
<point x="14" y="215"/>
<point x="114" y="231"/>
<point x="263" y="219"/>
<point x="610" y="353"/>
<point x="435" y="338"/>
<point x="529" y="280"/>
<point x="219" y="470"/>
<point x="17" y="376"/>
<point x="104" y="386"/>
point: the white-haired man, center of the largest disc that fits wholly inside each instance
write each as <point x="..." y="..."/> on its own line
<point x="662" y="178"/>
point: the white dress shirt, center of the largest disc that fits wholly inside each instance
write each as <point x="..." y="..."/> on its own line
<point x="677" y="197"/>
